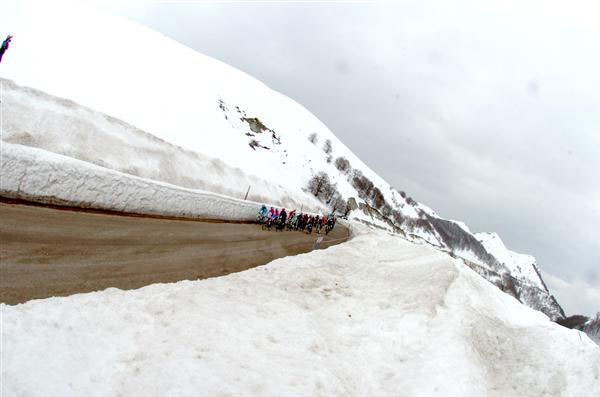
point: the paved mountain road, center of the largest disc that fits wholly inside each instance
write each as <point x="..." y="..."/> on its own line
<point x="55" y="252"/>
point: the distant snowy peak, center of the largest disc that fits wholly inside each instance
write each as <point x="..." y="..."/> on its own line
<point x="521" y="266"/>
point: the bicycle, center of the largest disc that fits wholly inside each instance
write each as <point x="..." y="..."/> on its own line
<point x="268" y="224"/>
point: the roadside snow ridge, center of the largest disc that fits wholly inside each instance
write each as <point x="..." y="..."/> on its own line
<point x="369" y="317"/>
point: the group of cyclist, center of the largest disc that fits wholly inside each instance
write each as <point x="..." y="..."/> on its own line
<point x="292" y="221"/>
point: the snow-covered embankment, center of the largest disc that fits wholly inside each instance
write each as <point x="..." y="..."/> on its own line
<point x="57" y="125"/>
<point x="45" y="177"/>
<point x="374" y="316"/>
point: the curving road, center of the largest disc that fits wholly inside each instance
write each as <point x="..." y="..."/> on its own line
<point x="55" y="252"/>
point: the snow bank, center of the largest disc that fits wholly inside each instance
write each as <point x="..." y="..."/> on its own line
<point x="375" y="316"/>
<point x="37" y="175"/>
<point x="36" y="119"/>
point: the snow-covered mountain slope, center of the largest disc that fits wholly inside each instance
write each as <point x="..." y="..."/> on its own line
<point x="57" y="125"/>
<point x="374" y="316"/>
<point x="167" y="90"/>
<point x="180" y="117"/>
<point x="519" y="265"/>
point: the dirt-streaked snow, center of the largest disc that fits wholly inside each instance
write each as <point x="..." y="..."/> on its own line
<point x="29" y="173"/>
<point x="375" y="316"/>
<point x="39" y="120"/>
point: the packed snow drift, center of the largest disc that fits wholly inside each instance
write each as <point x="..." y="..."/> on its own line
<point x="34" y="174"/>
<point x="375" y="316"/>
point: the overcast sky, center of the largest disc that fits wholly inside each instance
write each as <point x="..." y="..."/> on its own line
<point x="489" y="113"/>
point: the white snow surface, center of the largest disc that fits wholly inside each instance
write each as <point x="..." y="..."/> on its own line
<point x="30" y="173"/>
<point x="375" y="316"/>
<point x="36" y="119"/>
